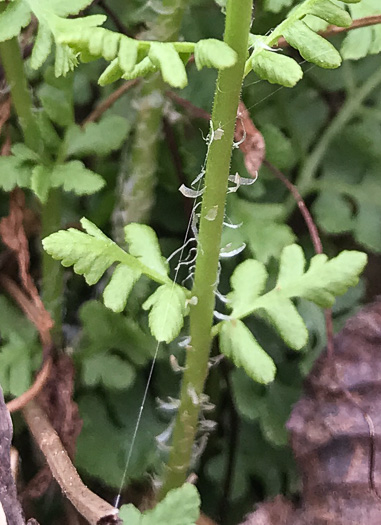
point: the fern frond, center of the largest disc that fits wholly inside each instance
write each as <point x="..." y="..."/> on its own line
<point x="269" y="63"/>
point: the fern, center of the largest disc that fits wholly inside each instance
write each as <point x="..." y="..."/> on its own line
<point x="320" y="284"/>
<point x="92" y="253"/>
<point x="82" y="36"/>
<point x="334" y="211"/>
<point x="18" y="15"/>
<point x="132" y="58"/>
<point x="270" y="64"/>
<point x="41" y="172"/>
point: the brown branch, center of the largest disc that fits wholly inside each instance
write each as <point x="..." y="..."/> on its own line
<point x="10" y="508"/>
<point x="110" y="100"/>
<point x="13" y="235"/>
<point x="115" y="19"/>
<point x="335" y="30"/>
<point x="312" y="228"/>
<point x="93" y="508"/>
<point x="20" y="298"/>
<point x="193" y="110"/>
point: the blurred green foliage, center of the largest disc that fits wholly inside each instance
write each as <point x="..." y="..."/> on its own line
<point x="112" y="352"/>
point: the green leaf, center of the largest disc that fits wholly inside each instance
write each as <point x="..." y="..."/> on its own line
<point x="238" y="343"/>
<point x="365" y="40"/>
<point x="285" y="318"/>
<point x="108" y="370"/>
<point x="324" y="279"/>
<point x="103" y="328"/>
<point x="179" y="507"/>
<point x="66" y="60"/>
<point x="112" y="73"/>
<point x="246" y="393"/>
<point x="274" y="410"/>
<point x="292" y="265"/>
<point x="116" y="293"/>
<point x="165" y="57"/>
<point x="358" y="44"/>
<point x="99" y="138"/>
<point x="311" y="46"/>
<point x="276" y="5"/>
<point x="144" y="245"/>
<point x="130" y="515"/>
<point x="141" y="69"/>
<point x="89" y="257"/>
<point x="69" y="7"/>
<point x="248" y="282"/>
<point x="276" y="68"/>
<point x="279" y="148"/>
<point x="214" y="53"/>
<point x="333" y="212"/>
<point x="19" y="349"/>
<point x="52" y="140"/>
<point x="267" y="239"/>
<point x="93" y="230"/>
<point x="14" y="172"/>
<point x="167" y="307"/>
<point x="73" y="176"/>
<point x="42" y="46"/>
<point x="366" y="230"/>
<point x="15" y="16"/>
<point x="320" y="283"/>
<point x="107" y="421"/>
<point x="331" y="13"/>
<point x="91" y="254"/>
<point x="24" y="154"/>
<point x="41" y="181"/>
<point x="56" y="105"/>
<point x="128" y="53"/>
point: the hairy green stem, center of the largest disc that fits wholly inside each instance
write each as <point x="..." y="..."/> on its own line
<point x="305" y="180"/>
<point x="238" y="17"/>
<point x="52" y="271"/>
<point x="136" y="187"/>
<point x="136" y="191"/>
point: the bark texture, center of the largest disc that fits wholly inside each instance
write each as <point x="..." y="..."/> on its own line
<point x="10" y="508"/>
<point x="335" y="433"/>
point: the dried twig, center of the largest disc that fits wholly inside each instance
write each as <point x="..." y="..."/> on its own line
<point x="115" y="19"/>
<point x="312" y="228"/>
<point x="10" y="508"/>
<point x="93" y="508"/>
<point x="13" y="235"/>
<point x="193" y="110"/>
<point x="109" y="101"/>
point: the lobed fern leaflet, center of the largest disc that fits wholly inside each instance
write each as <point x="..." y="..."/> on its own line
<point x="270" y="64"/>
